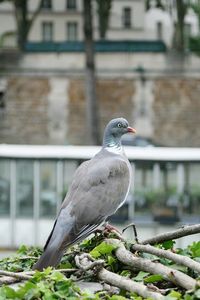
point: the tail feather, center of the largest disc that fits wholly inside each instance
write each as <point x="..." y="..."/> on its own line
<point x="50" y="257"/>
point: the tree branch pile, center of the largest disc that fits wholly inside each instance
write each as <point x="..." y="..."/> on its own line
<point x="136" y="269"/>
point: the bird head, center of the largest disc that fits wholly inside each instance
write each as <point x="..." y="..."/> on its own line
<point x="115" y="129"/>
<point x="119" y="126"/>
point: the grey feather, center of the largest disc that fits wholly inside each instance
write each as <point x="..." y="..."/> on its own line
<point x="99" y="187"/>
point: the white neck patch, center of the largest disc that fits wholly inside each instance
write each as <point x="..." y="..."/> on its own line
<point x="114" y="149"/>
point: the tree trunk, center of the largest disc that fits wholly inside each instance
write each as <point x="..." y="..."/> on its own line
<point x="179" y="41"/>
<point x="104" y="7"/>
<point x="92" y="112"/>
<point x="22" y="22"/>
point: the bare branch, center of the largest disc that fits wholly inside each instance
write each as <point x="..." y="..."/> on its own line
<point x="19" y="275"/>
<point x="175" y="276"/>
<point x="66" y="270"/>
<point x="8" y="280"/>
<point x="183" y="231"/>
<point x="85" y="262"/>
<point x="134" y="230"/>
<point x="128" y="284"/>
<point x="12" y="277"/>
<point x="179" y="259"/>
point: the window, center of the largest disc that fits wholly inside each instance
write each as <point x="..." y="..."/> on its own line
<point x="46" y="4"/>
<point x="4" y="188"/>
<point x="2" y="100"/>
<point x="24" y="188"/>
<point x="47" y="31"/>
<point x="159" y="30"/>
<point x="72" y="31"/>
<point x="48" y="196"/>
<point x="71" y="4"/>
<point x="126" y="17"/>
<point x="187" y="34"/>
<point x="3" y="86"/>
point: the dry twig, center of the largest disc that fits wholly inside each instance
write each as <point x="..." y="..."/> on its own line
<point x="18" y="275"/>
<point x="133" y="226"/>
<point x="85" y="262"/>
<point x="12" y="277"/>
<point x="175" y="276"/>
<point x="181" y="232"/>
<point x="177" y="258"/>
<point x="128" y="284"/>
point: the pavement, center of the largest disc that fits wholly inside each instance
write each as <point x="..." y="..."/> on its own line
<point x="6" y="253"/>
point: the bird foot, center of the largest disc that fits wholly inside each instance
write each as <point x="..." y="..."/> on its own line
<point x="106" y="229"/>
<point x="110" y="228"/>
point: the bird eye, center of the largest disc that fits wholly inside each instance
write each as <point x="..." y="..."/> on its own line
<point x="119" y="125"/>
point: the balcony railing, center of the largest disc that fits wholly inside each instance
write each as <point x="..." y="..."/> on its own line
<point x="34" y="180"/>
<point x="100" y="46"/>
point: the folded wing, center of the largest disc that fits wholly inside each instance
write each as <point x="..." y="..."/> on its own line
<point x="98" y="189"/>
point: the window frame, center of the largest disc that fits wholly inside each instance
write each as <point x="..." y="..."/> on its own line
<point x="51" y="25"/>
<point x="127" y="17"/>
<point x="75" y="38"/>
<point x="71" y="4"/>
<point x="46" y="5"/>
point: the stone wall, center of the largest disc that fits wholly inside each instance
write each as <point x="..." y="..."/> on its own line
<point x="24" y="118"/>
<point x="176" y="109"/>
<point x="115" y="99"/>
<point x="51" y="110"/>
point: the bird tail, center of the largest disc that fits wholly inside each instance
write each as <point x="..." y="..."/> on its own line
<point x="50" y="257"/>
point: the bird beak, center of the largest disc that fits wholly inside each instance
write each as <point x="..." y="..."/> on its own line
<point x="132" y="130"/>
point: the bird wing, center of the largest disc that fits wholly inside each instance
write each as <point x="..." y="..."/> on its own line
<point x="98" y="188"/>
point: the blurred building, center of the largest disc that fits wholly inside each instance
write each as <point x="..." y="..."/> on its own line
<point x="42" y="101"/>
<point x="42" y="97"/>
<point x="62" y="20"/>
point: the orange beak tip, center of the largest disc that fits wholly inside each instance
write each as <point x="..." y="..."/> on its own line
<point x="131" y="130"/>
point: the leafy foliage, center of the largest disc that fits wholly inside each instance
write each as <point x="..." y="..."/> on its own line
<point x="22" y="261"/>
<point x="52" y="284"/>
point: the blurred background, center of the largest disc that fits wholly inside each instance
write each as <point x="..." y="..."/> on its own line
<point x="69" y="66"/>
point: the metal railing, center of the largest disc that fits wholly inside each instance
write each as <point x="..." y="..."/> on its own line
<point x="60" y="156"/>
<point x="100" y="46"/>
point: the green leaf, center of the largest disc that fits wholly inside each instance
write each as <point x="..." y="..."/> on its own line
<point x="134" y="296"/>
<point x="140" y="276"/>
<point x="153" y="278"/>
<point x="21" y="292"/>
<point x="197" y="294"/>
<point x="111" y="260"/>
<point x="174" y="295"/>
<point x="188" y="297"/>
<point x="117" y="297"/>
<point x="95" y="253"/>
<point x="102" y="249"/>
<point x="57" y="276"/>
<point x="168" y="244"/>
<point x="65" y="265"/>
<point x="179" y="268"/>
<point x="9" y="292"/>
<point x="126" y="273"/>
<point x="195" y="249"/>
<point x="22" y="249"/>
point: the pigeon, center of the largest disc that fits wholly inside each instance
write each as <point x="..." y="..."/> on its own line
<point x="99" y="187"/>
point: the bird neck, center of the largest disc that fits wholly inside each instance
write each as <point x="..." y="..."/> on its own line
<point x="112" y="144"/>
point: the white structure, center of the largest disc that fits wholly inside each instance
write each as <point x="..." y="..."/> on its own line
<point x="60" y="21"/>
<point x="34" y="180"/>
<point x="159" y="24"/>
